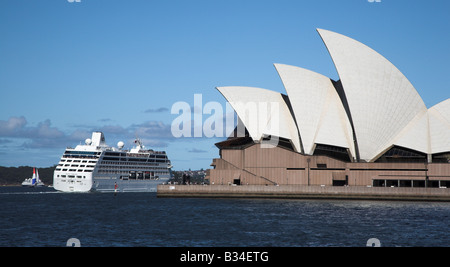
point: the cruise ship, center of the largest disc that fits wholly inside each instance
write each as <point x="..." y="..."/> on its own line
<point x="95" y="166"/>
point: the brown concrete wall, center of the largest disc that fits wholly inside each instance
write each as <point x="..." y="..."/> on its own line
<point x="259" y="166"/>
<point x="305" y="192"/>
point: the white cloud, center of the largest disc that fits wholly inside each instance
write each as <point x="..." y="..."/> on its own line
<point x="12" y="126"/>
<point x="157" y="110"/>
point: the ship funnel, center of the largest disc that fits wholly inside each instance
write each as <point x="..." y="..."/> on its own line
<point x="98" y="139"/>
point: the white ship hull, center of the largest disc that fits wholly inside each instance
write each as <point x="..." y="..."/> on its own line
<point x="109" y="185"/>
<point x="106" y="184"/>
<point x="27" y="183"/>
<point x="66" y="184"/>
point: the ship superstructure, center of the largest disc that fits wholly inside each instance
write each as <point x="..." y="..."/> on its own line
<point x="96" y="166"/>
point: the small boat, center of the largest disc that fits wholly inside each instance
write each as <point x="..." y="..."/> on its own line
<point x="28" y="182"/>
<point x="34" y="180"/>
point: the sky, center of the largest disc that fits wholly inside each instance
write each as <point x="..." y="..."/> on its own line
<point x="69" y="68"/>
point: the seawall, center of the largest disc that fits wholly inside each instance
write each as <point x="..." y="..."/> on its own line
<point x="305" y="192"/>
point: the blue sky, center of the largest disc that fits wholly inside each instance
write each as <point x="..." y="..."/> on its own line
<point x="67" y="69"/>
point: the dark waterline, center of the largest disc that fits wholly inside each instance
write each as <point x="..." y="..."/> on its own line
<point x="43" y="217"/>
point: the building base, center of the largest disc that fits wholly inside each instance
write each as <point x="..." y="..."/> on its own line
<point x="305" y="192"/>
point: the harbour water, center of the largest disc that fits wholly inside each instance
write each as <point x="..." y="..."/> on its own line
<point x="43" y="217"/>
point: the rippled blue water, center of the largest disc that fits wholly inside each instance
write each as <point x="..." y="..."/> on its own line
<point x="42" y="217"/>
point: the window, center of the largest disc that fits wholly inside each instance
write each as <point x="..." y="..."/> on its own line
<point x="441" y="158"/>
<point x="321" y="166"/>
<point x="339" y="183"/>
<point x="339" y="153"/>
<point x="401" y="154"/>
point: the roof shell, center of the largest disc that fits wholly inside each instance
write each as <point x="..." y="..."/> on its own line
<point x="263" y="112"/>
<point x="439" y="117"/>
<point x="319" y="113"/>
<point x="382" y="101"/>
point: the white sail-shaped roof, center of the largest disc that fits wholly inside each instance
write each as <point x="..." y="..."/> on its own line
<point x="429" y="132"/>
<point x="381" y="99"/>
<point x="263" y="112"/>
<point x="416" y="135"/>
<point x="373" y="108"/>
<point x="320" y="115"/>
<point x="439" y="117"/>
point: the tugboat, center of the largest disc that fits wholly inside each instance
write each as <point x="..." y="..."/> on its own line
<point x="34" y="181"/>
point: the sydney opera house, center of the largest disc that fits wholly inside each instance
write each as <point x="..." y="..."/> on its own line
<point x="369" y="128"/>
